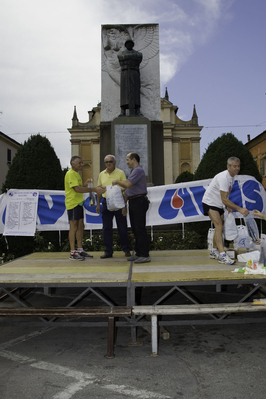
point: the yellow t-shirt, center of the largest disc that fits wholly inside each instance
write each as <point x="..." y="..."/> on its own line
<point x="72" y="179"/>
<point x="105" y="178"/>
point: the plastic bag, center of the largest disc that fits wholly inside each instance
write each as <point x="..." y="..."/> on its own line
<point x="114" y="198"/>
<point x="242" y="240"/>
<point x="230" y="230"/>
<point x="210" y="239"/>
<point x="263" y="251"/>
<point x="252" y="228"/>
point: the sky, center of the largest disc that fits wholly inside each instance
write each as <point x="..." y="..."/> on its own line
<point x="212" y="54"/>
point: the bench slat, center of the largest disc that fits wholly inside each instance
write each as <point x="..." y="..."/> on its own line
<point x="197" y="309"/>
<point x="101" y="311"/>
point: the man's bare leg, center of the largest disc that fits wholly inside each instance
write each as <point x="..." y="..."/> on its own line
<point x="217" y="220"/>
<point x="73" y="227"/>
<point x="79" y="233"/>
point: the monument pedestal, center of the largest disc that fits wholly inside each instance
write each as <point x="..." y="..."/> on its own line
<point x="134" y="134"/>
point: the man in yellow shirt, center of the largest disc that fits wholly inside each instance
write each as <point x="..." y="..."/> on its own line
<point x="105" y="179"/>
<point x="74" y="201"/>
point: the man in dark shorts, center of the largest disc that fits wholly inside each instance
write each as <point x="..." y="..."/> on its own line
<point x="214" y="201"/>
<point x="74" y="189"/>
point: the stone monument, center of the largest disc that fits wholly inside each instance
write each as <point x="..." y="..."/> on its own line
<point x="129" y="61"/>
<point x="131" y="104"/>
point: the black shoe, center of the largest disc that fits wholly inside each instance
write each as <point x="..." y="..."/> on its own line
<point x="105" y="256"/>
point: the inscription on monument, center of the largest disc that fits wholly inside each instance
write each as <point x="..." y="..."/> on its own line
<point x="131" y="138"/>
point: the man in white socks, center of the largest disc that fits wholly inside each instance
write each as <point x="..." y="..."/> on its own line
<point x="215" y="200"/>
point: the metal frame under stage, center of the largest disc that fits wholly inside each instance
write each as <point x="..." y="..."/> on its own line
<point x="179" y="272"/>
<point x="23" y="277"/>
<point x="185" y="280"/>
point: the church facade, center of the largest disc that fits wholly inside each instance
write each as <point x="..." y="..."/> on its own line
<point x="181" y="141"/>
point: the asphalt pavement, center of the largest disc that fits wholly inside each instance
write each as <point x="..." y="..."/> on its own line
<point x="197" y="362"/>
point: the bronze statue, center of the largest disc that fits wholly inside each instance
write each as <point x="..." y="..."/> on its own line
<point x="129" y="61"/>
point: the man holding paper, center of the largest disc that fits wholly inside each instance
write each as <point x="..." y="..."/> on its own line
<point x="136" y="194"/>
<point x="106" y="178"/>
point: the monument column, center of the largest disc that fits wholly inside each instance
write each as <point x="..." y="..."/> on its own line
<point x="131" y="104"/>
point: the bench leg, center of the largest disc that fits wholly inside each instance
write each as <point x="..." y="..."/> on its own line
<point x="154" y="335"/>
<point x="111" y="338"/>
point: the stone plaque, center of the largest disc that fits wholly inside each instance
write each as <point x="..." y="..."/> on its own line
<point x="131" y="138"/>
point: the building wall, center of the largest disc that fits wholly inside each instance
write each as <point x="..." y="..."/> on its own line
<point x="257" y="147"/>
<point x="8" y="149"/>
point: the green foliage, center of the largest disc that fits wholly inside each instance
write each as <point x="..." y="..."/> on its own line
<point x="45" y="241"/>
<point x="159" y="242"/>
<point x="215" y="158"/>
<point x="184" y="177"/>
<point x="176" y="241"/>
<point x="35" y="166"/>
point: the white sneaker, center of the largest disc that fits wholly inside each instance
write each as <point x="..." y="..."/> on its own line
<point x="215" y="254"/>
<point x="76" y="256"/>
<point x="226" y="260"/>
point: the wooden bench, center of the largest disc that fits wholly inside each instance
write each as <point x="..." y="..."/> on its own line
<point x="222" y="308"/>
<point x="72" y="312"/>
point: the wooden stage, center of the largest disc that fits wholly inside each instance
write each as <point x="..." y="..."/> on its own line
<point x="174" y="277"/>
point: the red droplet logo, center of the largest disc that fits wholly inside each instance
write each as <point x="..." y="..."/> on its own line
<point x="177" y="202"/>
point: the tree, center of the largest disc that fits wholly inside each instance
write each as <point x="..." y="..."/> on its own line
<point x="216" y="155"/>
<point x="35" y="166"/>
<point x="215" y="161"/>
<point x="184" y="177"/>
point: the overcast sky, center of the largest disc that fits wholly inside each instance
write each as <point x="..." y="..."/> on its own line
<point x="212" y="54"/>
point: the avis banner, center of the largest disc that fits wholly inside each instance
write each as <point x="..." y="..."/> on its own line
<point x="169" y="204"/>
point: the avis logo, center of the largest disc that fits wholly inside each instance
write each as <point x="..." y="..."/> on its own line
<point x="189" y="199"/>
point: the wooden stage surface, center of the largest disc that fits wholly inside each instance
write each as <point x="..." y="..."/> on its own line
<point x="50" y="268"/>
<point x="189" y="277"/>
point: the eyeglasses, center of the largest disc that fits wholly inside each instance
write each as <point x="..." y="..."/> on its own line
<point x="108" y="161"/>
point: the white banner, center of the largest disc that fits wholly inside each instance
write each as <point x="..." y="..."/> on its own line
<point x="170" y="204"/>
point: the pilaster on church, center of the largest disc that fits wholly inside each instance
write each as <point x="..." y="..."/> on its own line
<point x="85" y="142"/>
<point x="181" y="141"/>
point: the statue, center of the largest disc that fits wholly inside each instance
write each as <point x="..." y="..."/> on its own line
<point x="129" y="61"/>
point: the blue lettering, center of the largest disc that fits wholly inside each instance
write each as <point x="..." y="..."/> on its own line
<point x="95" y="218"/>
<point x="51" y="215"/>
<point x="4" y="216"/>
<point x="188" y="208"/>
<point x="251" y="189"/>
<point x="173" y="201"/>
<point x="198" y="193"/>
<point x="165" y="209"/>
<point x="235" y="195"/>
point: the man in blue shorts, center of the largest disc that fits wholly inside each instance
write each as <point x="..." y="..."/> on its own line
<point x="215" y="200"/>
<point x="74" y="201"/>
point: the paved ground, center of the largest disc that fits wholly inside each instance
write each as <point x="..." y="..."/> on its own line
<point x="197" y="362"/>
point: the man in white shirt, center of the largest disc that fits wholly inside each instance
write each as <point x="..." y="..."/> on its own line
<point x="214" y="201"/>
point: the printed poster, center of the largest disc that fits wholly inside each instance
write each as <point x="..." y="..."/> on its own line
<point x="21" y="213"/>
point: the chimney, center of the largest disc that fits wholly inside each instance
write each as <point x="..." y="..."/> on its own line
<point x="248" y="137"/>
